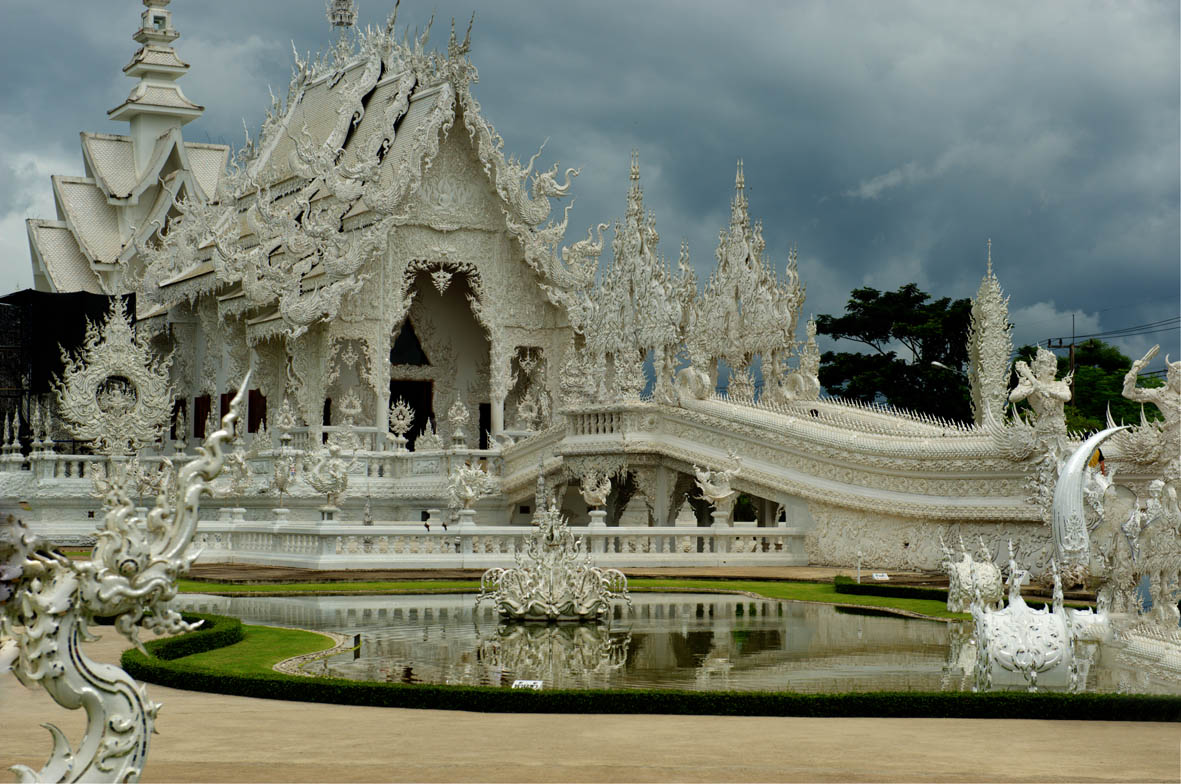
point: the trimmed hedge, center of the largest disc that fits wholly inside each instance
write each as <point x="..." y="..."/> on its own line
<point x="217" y="631"/>
<point x="491" y="699"/>
<point x="842" y="584"/>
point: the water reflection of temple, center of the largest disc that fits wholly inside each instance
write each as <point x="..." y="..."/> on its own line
<point x="666" y="641"/>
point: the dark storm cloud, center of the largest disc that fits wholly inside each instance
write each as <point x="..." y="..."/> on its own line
<point x="888" y="141"/>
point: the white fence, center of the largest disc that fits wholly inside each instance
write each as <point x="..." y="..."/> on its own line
<point x="332" y="545"/>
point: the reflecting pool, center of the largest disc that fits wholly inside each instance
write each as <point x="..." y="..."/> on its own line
<point x="666" y="640"/>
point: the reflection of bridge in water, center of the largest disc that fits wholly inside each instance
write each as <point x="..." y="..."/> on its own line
<point x="688" y="641"/>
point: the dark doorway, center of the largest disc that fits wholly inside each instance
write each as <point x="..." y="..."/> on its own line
<point x="201" y="407"/>
<point x="485" y="423"/>
<point x="419" y="395"/>
<point x="406" y="349"/>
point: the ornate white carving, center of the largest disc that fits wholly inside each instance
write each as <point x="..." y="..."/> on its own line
<point x="1020" y="639"/>
<point x="1041" y="445"/>
<point x="328" y="473"/>
<point x="595" y="488"/>
<point x="468" y="484"/>
<point x="458" y="419"/>
<point x="132" y="576"/>
<point x="554" y="579"/>
<point x="115" y="392"/>
<point x="990" y="345"/>
<point x="401" y="420"/>
<point x="969" y="578"/>
<point x="714" y="485"/>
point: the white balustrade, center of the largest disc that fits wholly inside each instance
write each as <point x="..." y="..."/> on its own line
<point x="410" y="545"/>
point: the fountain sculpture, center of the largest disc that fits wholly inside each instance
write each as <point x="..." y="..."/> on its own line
<point x="48" y="602"/>
<point x="554" y="579"/>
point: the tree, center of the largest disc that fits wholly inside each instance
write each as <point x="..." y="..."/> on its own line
<point x="931" y="331"/>
<point x="1099" y="370"/>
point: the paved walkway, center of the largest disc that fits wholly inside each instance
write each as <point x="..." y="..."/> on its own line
<point x="207" y="737"/>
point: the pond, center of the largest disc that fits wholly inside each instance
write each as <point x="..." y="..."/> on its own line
<point x="664" y="641"/>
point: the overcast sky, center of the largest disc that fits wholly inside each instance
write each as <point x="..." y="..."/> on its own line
<point x="887" y="140"/>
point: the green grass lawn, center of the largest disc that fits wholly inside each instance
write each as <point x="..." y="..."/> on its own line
<point x="798" y="591"/>
<point x="261" y="649"/>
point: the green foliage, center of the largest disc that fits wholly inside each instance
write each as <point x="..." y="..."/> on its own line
<point x="1099" y="370"/>
<point x="931" y="330"/>
<point x="217" y="632"/>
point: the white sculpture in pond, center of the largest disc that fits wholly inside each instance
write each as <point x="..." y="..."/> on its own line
<point x="969" y="578"/>
<point x="554" y="579"/>
<point x="48" y="601"/>
<point x="1019" y="639"/>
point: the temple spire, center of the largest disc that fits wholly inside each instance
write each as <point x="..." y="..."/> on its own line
<point x="156" y="103"/>
<point x="342" y="14"/>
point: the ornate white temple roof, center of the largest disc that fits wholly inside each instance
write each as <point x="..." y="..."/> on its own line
<point x="58" y="264"/>
<point x="100" y="221"/>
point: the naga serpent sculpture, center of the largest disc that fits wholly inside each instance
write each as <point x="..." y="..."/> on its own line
<point x="132" y="574"/>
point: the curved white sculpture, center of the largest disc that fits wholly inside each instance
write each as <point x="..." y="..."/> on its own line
<point x="554" y="579"/>
<point x="131" y="576"/>
<point x="1072" y="544"/>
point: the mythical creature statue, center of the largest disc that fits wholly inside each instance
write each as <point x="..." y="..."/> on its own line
<point x="328" y="473"/>
<point x="1154" y="442"/>
<point x="715" y="485"/>
<point x="131" y="576"/>
<point x="969" y="578"/>
<point x="1040" y="445"/>
<point x="554" y="579"/>
<point x="595" y="488"/>
<point x="1020" y="639"/>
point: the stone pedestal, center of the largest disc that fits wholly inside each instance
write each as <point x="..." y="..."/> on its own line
<point x="238" y="514"/>
<point x="598" y="522"/>
<point x="282" y="514"/>
<point x="720" y="523"/>
<point x="329" y="512"/>
<point x="467" y="526"/>
<point x="223" y="514"/>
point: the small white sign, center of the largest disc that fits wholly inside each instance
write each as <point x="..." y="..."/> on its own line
<point x="881" y="576"/>
<point x="523" y="684"/>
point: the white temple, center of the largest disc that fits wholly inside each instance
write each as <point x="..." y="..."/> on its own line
<point x="406" y="296"/>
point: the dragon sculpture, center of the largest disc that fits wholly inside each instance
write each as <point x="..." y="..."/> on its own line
<point x="48" y="602"/>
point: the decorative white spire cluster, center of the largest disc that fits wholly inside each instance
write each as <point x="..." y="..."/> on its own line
<point x="990" y="345"/>
<point x="747" y="309"/>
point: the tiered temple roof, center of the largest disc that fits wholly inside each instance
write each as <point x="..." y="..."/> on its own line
<point x="130" y="181"/>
